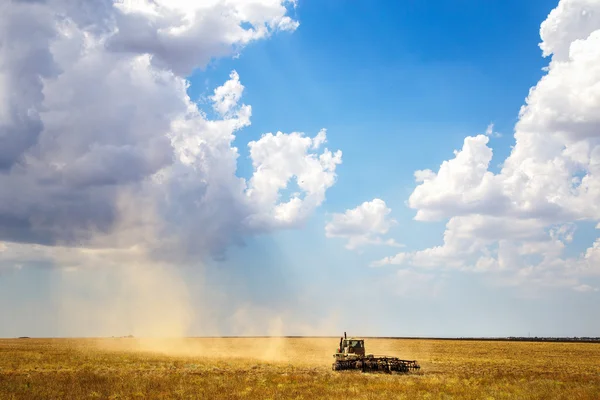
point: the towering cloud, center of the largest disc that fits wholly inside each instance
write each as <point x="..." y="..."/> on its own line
<point x="521" y="218"/>
<point x="101" y="147"/>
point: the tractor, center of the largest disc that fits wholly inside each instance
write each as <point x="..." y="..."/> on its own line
<point x="351" y="355"/>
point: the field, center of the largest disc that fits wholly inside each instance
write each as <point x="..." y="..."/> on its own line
<point x="292" y="368"/>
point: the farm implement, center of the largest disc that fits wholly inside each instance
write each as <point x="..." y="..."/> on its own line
<point x="351" y="356"/>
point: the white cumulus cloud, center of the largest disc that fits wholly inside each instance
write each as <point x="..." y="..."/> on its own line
<point x="279" y="158"/>
<point x="521" y="218"/>
<point x="362" y="225"/>
<point x="585" y="288"/>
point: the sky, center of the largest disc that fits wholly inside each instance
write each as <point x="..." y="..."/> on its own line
<point x="277" y="167"/>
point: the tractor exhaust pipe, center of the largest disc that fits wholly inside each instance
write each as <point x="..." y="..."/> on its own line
<point x="344" y="335"/>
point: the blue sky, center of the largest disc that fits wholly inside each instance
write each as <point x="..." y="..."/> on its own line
<point x="398" y="86"/>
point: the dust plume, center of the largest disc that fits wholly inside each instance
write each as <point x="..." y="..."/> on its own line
<point x="143" y="303"/>
<point x="138" y="299"/>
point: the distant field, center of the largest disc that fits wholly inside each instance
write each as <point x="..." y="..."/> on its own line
<point x="296" y="368"/>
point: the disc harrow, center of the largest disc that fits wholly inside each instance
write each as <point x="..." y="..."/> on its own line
<point x="379" y="364"/>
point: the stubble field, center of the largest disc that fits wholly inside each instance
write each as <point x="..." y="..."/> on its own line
<point x="292" y="368"/>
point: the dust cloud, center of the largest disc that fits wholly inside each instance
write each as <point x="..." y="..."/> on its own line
<point x="148" y="308"/>
<point x="135" y="297"/>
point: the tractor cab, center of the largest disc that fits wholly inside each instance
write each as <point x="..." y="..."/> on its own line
<point x="351" y="346"/>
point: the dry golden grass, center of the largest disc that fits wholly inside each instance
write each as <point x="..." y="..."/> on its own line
<point x="292" y="368"/>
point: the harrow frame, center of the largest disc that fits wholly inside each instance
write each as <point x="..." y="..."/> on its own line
<point x="376" y="363"/>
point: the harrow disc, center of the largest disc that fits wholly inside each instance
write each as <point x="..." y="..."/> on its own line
<point x="341" y="365"/>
